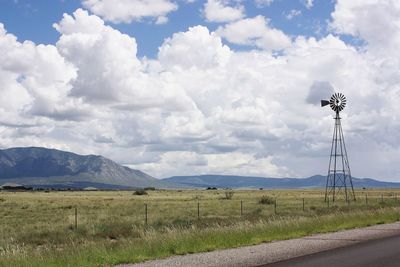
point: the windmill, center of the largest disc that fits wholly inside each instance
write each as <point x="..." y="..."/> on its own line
<point x="338" y="180"/>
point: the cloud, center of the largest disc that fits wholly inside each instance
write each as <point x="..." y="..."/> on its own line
<point x="292" y="14"/>
<point x="375" y="22"/>
<point x="190" y="163"/>
<point x="319" y="90"/>
<point x="263" y="3"/>
<point x="126" y="11"/>
<point x="37" y="77"/>
<point x="219" y="11"/>
<point x="161" y="20"/>
<point x="201" y="48"/>
<point x="254" y="32"/>
<point x="105" y="58"/>
<point x="200" y="106"/>
<point x="103" y="139"/>
<point x="308" y="3"/>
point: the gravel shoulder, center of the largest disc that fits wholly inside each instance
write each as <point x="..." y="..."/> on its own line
<point x="276" y="251"/>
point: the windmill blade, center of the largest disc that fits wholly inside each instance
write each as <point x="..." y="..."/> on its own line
<point x="324" y="103"/>
<point x="337" y="102"/>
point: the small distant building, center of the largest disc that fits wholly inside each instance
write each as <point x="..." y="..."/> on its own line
<point x="14" y="187"/>
<point x="90" y="188"/>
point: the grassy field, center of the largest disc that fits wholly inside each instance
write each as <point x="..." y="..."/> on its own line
<point x="39" y="229"/>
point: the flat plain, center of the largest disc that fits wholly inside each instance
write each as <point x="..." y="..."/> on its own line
<point x="105" y="228"/>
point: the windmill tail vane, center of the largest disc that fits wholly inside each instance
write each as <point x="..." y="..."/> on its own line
<point x="338" y="181"/>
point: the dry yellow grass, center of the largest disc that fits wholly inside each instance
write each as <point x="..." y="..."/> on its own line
<point x="39" y="225"/>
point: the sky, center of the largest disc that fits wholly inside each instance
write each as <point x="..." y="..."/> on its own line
<point x="188" y="87"/>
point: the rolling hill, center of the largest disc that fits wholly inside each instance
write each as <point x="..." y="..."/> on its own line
<point x="231" y="181"/>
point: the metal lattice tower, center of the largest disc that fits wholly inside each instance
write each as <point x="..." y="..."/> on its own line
<point x="338" y="180"/>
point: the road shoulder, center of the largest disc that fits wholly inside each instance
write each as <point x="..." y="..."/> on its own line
<point x="277" y="251"/>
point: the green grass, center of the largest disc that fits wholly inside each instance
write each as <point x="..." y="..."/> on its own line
<point x="36" y="229"/>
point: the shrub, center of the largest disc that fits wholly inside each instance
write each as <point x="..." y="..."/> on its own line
<point x="257" y="211"/>
<point x="229" y="194"/>
<point x="140" y="192"/>
<point x="211" y="188"/>
<point x="266" y="200"/>
<point x="150" y="188"/>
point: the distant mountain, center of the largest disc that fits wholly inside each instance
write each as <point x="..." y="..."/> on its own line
<point x="42" y="167"/>
<point x="230" y="181"/>
<point x="50" y="167"/>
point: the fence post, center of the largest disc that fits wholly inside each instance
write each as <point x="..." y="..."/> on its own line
<point x="275" y="206"/>
<point x="241" y="207"/>
<point x="303" y="203"/>
<point x="198" y="210"/>
<point x="145" y="214"/>
<point x="382" y="198"/>
<point x="76" y="217"/>
<point x="366" y="199"/>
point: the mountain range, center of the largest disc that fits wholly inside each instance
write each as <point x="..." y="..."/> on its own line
<point x="231" y="181"/>
<point x="51" y="168"/>
<point x="42" y="167"/>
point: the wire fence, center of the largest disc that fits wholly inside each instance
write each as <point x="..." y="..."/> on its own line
<point x="154" y="212"/>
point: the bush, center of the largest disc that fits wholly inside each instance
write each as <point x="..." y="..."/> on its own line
<point x="257" y="211"/>
<point x="140" y="192"/>
<point x="266" y="200"/>
<point x="150" y="188"/>
<point x="229" y="194"/>
<point x="211" y="188"/>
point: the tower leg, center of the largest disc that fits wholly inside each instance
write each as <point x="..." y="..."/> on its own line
<point x="339" y="179"/>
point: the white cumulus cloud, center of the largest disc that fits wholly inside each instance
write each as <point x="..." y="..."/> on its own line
<point x="220" y="11"/>
<point x="376" y="22"/>
<point x="126" y="11"/>
<point x="255" y="32"/>
<point x="201" y="48"/>
<point x="105" y="58"/>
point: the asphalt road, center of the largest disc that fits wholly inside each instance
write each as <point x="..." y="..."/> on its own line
<point x="382" y="252"/>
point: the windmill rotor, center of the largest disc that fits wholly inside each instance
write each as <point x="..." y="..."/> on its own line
<point x="337" y="102"/>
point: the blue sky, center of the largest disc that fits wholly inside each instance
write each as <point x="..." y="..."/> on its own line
<point x="33" y="20"/>
<point x="183" y="87"/>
